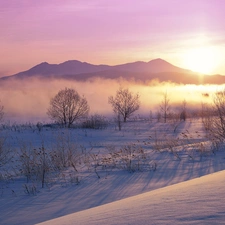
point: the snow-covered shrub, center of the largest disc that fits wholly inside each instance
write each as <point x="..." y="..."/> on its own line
<point x="28" y="160"/>
<point x="96" y="162"/>
<point x="186" y="144"/>
<point x="65" y="152"/>
<point x="216" y="118"/>
<point x="131" y="157"/>
<point x="158" y="141"/>
<point x="35" y="164"/>
<point x="207" y="114"/>
<point x="6" y="158"/>
<point x="5" y="154"/>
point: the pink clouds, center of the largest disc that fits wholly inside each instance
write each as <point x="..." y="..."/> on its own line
<point x="103" y="31"/>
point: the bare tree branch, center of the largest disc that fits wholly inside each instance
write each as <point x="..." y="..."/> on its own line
<point x="165" y="107"/>
<point x="124" y="103"/>
<point x="67" y="106"/>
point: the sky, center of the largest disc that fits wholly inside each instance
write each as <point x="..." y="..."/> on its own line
<point x="189" y="34"/>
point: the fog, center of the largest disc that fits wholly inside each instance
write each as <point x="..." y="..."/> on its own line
<point x="28" y="100"/>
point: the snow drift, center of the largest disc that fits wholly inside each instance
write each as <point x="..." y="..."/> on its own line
<point x="198" y="201"/>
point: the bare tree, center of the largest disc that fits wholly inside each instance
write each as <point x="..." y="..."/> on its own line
<point x="125" y="103"/>
<point x="183" y="114"/>
<point x="207" y="115"/>
<point x="218" y="122"/>
<point x="67" y="106"/>
<point x="165" y="107"/>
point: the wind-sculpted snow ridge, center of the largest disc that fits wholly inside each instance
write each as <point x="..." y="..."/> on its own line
<point x="198" y="201"/>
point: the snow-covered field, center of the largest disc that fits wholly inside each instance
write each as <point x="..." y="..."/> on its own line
<point x="173" y="153"/>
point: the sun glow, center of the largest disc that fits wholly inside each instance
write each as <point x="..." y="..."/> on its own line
<point x="203" y="60"/>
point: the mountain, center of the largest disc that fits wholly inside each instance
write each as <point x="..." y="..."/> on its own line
<point x="143" y="71"/>
<point x="153" y="66"/>
<point x="68" y="67"/>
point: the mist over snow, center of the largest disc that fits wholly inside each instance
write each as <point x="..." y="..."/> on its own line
<point x="27" y="100"/>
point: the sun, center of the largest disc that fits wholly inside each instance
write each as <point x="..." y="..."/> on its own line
<point x="202" y="60"/>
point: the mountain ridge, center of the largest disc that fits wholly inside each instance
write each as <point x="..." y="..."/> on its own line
<point x="156" y="69"/>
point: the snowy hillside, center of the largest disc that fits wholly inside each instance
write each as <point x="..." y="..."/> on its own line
<point x="162" y="155"/>
<point x="198" y="201"/>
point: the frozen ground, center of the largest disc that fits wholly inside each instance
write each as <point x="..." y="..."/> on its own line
<point x="184" y="161"/>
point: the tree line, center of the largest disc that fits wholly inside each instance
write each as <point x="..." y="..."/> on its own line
<point x="68" y="105"/>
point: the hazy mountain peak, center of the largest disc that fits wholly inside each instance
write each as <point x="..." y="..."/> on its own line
<point x="158" y="60"/>
<point x="41" y="65"/>
<point x="69" y="62"/>
<point x="155" y="69"/>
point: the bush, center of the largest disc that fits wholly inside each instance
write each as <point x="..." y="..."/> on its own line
<point x="35" y="164"/>
<point x="130" y="157"/>
<point x="5" y="152"/>
<point x="95" y="122"/>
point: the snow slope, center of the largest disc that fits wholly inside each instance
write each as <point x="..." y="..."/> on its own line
<point x="198" y="201"/>
<point x="63" y="196"/>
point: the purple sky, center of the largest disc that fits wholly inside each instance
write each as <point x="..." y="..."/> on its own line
<point x="112" y="32"/>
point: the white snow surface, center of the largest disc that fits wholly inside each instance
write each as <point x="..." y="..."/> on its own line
<point x="185" y="190"/>
<point x="198" y="201"/>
